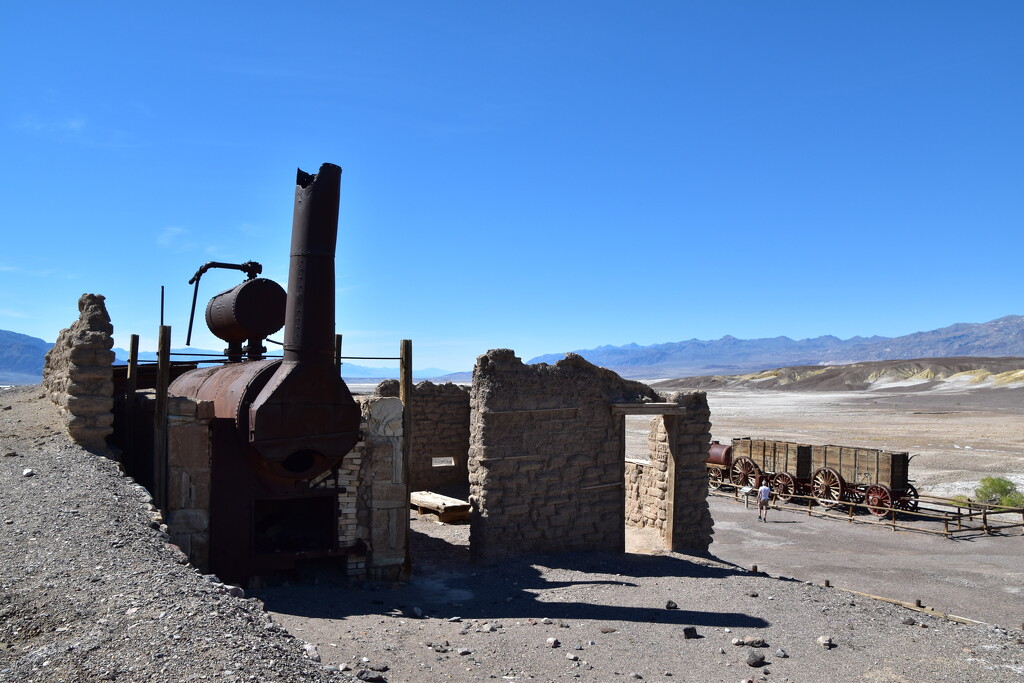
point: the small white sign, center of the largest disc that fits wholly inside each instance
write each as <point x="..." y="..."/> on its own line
<point x="747" y="490"/>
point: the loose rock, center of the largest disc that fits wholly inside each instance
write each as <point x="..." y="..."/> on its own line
<point x="755" y="659"/>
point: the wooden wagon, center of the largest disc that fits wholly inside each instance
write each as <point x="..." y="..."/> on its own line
<point x="832" y="474"/>
<point x="871" y="476"/>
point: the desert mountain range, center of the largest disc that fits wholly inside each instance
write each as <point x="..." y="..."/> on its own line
<point x="920" y="374"/>
<point x="21" y="356"/>
<point x="732" y="356"/>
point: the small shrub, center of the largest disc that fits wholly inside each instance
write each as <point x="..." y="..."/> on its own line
<point x="1013" y="500"/>
<point x="999" y="491"/>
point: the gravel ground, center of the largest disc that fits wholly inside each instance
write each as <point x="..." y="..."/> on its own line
<point x="92" y="591"/>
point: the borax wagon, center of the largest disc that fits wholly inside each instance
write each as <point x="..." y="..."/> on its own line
<point x="831" y="474"/>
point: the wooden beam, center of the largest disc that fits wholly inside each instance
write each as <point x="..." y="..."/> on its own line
<point x="647" y="409"/>
<point x="163" y="376"/>
<point x="129" y="398"/>
<point x="405" y="394"/>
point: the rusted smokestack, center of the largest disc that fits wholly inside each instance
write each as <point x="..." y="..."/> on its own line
<point x="305" y="420"/>
<point x="309" y="326"/>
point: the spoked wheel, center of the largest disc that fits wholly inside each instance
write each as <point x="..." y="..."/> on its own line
<point x="878" y="498"/>
<point x="908" y="501"/>
<point x="784" y="486"/>
<point x="828" y="487"/>
<point x="744" y="472"/>
<point x="716" y="477"/>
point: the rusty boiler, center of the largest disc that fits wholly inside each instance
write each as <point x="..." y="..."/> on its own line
<point x="279" y="423"/>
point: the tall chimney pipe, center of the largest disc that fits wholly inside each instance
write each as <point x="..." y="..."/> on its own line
<point x="304" y="419"/>
<point x="309" y="316"/>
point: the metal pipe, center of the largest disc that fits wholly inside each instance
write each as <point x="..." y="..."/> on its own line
<point x="309" y="317"/>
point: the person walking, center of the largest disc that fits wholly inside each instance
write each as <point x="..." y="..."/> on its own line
<point x="764" y="493"/>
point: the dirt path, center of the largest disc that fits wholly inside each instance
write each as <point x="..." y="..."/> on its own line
<point x="978" y="577"/>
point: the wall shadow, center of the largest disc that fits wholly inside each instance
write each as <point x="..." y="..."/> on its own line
<point x="520" y="588"/>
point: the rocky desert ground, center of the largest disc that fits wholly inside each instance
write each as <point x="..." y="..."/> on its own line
<point x="91" y="591"/>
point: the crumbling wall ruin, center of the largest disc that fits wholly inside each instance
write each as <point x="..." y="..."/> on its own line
<point x="546" y="460"/>
<point x="438" y="456"/>
<point x="677" y="450"/>
<point x="77" y="375"/>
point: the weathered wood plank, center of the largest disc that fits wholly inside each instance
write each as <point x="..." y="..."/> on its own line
<point x="446" y="508"/>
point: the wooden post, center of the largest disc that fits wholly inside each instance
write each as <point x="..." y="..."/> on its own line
<point x="163" y="375"/>
<point x="337" y="352"/>
<point x="405" y="394"/>
<point x="129" y="396"/>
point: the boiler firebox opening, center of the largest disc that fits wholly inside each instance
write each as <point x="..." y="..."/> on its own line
<point x="300" y="461"/>
<point x="295" y="525"/>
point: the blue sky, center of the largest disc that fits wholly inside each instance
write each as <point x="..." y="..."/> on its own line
<point x="532" y="175"/>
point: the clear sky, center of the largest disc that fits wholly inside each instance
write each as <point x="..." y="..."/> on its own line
<point x="542" y="176"/>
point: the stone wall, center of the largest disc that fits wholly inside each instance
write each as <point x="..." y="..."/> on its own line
<point x="546" y="456"/>
<point x="77" y="375"/>
<point x="546" y="462"/>
<point x="383" y="502"/>
<point x="438" y="458"/>
<point x="677" y="450"/>
<point x="647" y="484"/>
<point x="189" y="462"/>
<point x="686" y="448"/>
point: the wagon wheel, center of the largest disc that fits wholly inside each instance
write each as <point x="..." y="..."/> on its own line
<point x="908" y="501"/>
<point x="784" y="486"/>
<point x="744" y="472"/>
<point x="716" y="477"/>
<point x="828" y="487"/>
<point x="878" y="498"/>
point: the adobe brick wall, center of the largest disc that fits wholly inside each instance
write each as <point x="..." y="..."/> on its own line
<point x="440" y="429"/>
<point x="546" y="465"/>
<point x="545" y="457"/>
<point x="77" y="375"/>
<point x="685" y="440"/>
<point x="693" y="526"/>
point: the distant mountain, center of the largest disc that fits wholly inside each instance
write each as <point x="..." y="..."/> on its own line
<point x="21" y="358"/>
<point x="731" y="356"/>
<point x="348" y="369"/>
<point x="919" y="374"/>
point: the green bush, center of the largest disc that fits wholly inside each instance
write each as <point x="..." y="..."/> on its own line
<point x="999" y="491"/>
<point x="1013" y="500"/>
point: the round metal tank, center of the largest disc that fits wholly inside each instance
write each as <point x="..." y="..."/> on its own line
<point x="719" y="454"/>
<point x="231" y="388"/>
<point x="252" y="310"/>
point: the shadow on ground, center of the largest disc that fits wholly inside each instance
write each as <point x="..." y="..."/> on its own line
<point x="446" y="585"/>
